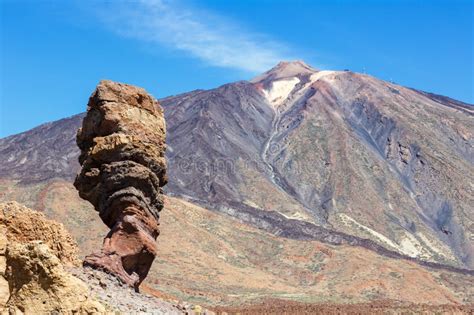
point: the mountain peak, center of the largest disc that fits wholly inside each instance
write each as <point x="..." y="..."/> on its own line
<point x="299" y="65"/>
<point x="285" y="69"/>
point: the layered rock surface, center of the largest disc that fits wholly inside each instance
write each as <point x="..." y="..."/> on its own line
<point x="122" y="142"/>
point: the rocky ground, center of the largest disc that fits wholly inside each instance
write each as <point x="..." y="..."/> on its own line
<point x="109" y="291"/>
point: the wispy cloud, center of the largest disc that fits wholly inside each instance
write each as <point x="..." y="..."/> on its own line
<point x="214" y="39"/>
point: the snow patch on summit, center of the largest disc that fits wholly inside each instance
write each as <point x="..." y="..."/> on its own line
<point x="324" y="75"/>
<point x="321" y="74"/>
<point x="280" y="90"/>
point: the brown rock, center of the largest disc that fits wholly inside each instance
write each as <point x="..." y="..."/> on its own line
<point x="34" y="253"/>
<point x="122" y="142"/>
<point x="4" y="290"/>
<point x="21" y="225"/>
<point x="39" y="284"/>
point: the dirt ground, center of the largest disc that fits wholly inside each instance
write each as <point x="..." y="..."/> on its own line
<point x="380" y="307"/>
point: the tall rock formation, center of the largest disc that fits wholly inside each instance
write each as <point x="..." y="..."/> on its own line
<point x="122" y="142"/>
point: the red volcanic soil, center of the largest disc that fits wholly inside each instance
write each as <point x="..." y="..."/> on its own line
<point x="380" y="307"/>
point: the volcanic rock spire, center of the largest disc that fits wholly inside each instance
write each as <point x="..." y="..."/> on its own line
<point x="122" y="142"/>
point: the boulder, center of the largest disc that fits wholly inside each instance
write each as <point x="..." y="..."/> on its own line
<point x="35" y="254"/>
<point x="39" y="283"/>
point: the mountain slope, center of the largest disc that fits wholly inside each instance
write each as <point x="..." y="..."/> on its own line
<point x="208" y="258"/>
<point x="359" y="155"/>
<point x="308" y="154"/>
<point x="367" y="155"/>
<point x="45" y="152"/>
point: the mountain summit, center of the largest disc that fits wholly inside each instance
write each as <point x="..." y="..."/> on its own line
<point x="285" y="78"/>
<point x="285" y="69"/>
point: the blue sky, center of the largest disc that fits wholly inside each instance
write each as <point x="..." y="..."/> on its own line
<point x="53" y="53"/>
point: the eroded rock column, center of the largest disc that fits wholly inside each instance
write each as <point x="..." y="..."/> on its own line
<point x="122" y="142"/>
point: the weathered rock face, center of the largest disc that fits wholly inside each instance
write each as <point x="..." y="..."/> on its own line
<point x="39" y="284"/>
<point x="34" y="255"/>
<point x="22" y="225"/>
<point x="122" y="142"/>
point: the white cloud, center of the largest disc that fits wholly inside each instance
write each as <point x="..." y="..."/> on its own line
<point x="211" y="38"/>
